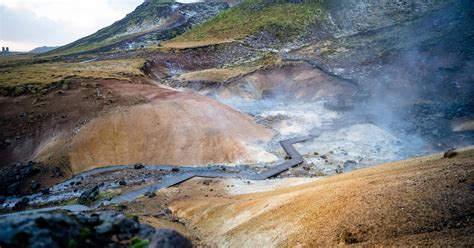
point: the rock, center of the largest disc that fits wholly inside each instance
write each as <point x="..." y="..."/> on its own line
<point x="126" y="225"/>
<point x="298" y="172"/>
<point x="169" y="238"/>
<point x="2" y="199"/>
<point x="13" y="188"/>
<point x="146" y="231"/>
<point x="175" y="169"/>
<point x="138" y="166"/>
<point x="45" y="191"/>
<point x="207" y="182"/>
<point x="163" y="213"/>
<point x="150" y="194"/>
<point x="65" y="229"/>
<point x="450" y="153"/>
<point x="23" y="203"/>
<point x="104" y="228"/>
<point x="35" y="185"/>
<point x="324" y="157"/>
<point x="316" y="153"/>
<point x="122" y="182"/>
<point x="349" y="164"/>
<point x="57" y="172"/>
<point x="89" y="196"/>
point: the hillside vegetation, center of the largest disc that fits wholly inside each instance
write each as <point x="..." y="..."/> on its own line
<point x="18" y="79"/>
<point x="281" y="19"/>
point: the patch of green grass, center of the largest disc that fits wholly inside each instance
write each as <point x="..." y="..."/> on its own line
<point x="283" y="20"/>
<point x="107" y="195"/>
<point x="69" y="202"/>
<point x="139" y="243"/>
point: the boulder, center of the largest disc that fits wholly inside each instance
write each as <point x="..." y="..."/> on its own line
<point x="23" y="203"/>
<point x="13" y="188"/>
<point x="35" y="185"/>
<point x="138" y="166"/>
<point x="450" y="153"/>
<point x="167" y="238"/>
<point x="89" y="195"/>
<point x="150" y="194"/>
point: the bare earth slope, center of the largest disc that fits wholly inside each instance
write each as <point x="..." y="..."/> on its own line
<point x="423" y="201"/>
<point x="186" y="129"/>
<point x="98" y="122"/>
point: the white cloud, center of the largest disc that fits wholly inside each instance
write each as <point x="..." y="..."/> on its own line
<point x="26" y="24"/>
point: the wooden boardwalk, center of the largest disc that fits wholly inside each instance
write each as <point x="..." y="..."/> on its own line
<point x="186" y="174"/>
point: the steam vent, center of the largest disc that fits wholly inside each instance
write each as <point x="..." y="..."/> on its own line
<point x="237" y="123"/>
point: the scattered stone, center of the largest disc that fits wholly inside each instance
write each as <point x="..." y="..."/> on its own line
<point x="63" y="229"/>
<point x="175" y="169"/>
<point x="163" y="213"/>
<point x="450" y="153"/>
<point x="89" y="196"/>
<point x="324" y="157"/>
<point x="2" y="199"/>
<point x="13" y="188"/>
<point x="169" y="238"/>
<point x="45" y="191"/>
<point x="35" y="185"/>
<point x="207" y="182"/>
<point x="122" y="207"/>
<point x="150" y="194"/>
<point x="138" y="166"/>
<point x="316" y="153"/>
<point x="104" y="228"/>
<point x="298" y="172"/>
<point x="122" y="182"/>
<point x="349" y="164"/>
<point x="57" y="172"/>
<point x="23" y="203"/>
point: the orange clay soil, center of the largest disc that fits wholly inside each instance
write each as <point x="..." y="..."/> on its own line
<point x="99" y="122"/>
<point x="293" y="80"/>
<point x="422" y="201"/>
<point x="186" y="129"/>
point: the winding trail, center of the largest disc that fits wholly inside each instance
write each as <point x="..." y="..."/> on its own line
<point x="186" y="174"/>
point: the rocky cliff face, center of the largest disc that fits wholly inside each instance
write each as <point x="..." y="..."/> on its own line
<point x="362" y="15"/>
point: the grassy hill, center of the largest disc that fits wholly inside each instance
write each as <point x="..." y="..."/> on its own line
<point x="281" y="19"/>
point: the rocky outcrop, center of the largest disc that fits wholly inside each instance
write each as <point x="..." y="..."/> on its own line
<point x="351" y="16"/>
<point x="102" y="229"/>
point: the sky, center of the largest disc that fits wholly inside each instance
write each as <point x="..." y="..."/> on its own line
<point x="26" y="24"/>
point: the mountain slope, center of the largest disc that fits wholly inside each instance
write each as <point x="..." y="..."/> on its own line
<point x="43" y="49"/>
<point x="424" y="201"/>
<point x="152" y="21"/>
<point x="281" y="19"/>
<point x="266" y="23"/>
